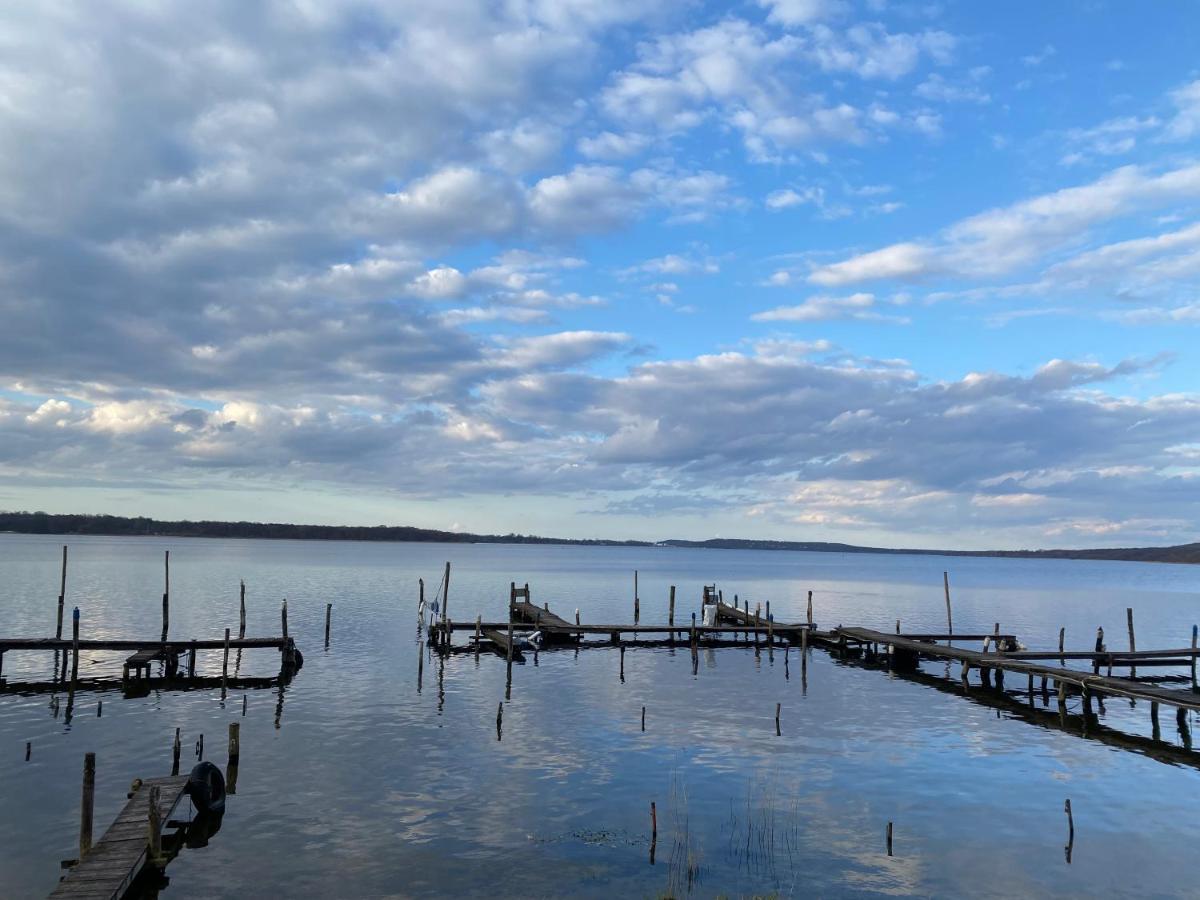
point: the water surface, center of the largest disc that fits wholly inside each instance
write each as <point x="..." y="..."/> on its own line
<point x="362" y="779"/>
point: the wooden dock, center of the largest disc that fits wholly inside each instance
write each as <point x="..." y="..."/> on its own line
<point x="118" y="858"/>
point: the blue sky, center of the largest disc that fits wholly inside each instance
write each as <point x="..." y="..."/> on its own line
<point x="883" y="272"/>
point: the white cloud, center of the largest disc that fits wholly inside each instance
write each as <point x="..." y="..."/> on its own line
<point x="1004" y="239"/>
<point x="938" y="89"/>
<point x="801" y="12"/>
<point x="824" y="308"/>
<point x="1186" y="122"/>
<point x="609" y="145"/>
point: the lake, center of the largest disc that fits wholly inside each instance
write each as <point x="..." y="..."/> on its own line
<point x="360" y="779"/>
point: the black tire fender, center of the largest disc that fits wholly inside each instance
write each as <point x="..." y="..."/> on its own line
<point x="206" y="787"/>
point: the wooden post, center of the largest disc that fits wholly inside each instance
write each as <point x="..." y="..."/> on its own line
<point x="637" y="603"/>
<point x="1062" y="633"/>
<point x="810" y="609"/>
<point x="235" y="743"/>
<point x="175" y="749"/>
<point x="1154" y="719"/>
<point x="225" y="665"/>
<point x="693" y="641"/>
<point x="804" y="652"/>
<point x="283" y="617"/>
<point x="62" y="595"/>
<point x="446" y="596"/>
<point x="949" y="617"/>
<point x="622" y="662"/>
<point x="653" y="830"/>
<point x="889" y="839"/>
<point x="643" y="718"/>
<point x="897" y="626"/>
<point x="28" y="750"/>
<point x="74" y="646"/>
<point x="328" y="616"/>
<point x="166" y="592"/>
<point x="671" y="609"/>
<point x="1132" y="641"/>
<point x="499" y="719"/>
<point x="778" y="709"/>
<point x="1070" y="822"/>
<point x="478" y="632"/>
<point x="578" y="635"/>
<point x="154" y="822"/>
<point x="192" y="660"/>
<point x="86" y="804"/>
<point x="421" y="595"/>
<point x="510" y="640"/>
<point x="242" y="611"/>
<point x="1194" y="630"/>
<point x="1099" y="649"/>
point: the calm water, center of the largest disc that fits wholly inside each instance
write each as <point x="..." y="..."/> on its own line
<point x="358" y="780"/>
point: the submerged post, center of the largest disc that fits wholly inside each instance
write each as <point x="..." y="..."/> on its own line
<point x="87" y="801"/>
<point x="166" y="592"/>
<point x="242" y="611"/>
<point x="949" y="617"/>
<point x="62" y="595"/>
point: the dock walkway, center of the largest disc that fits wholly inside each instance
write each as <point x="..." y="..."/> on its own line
<point x="117" y="859"/>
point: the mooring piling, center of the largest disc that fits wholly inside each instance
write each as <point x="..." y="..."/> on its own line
<point x="637" y="604"/>
<point x="328" y="616"/>
<point x="74" y="646"/>
<point x="671" y="609"/>
<point x="166" y="592"/>
<point x="653" y="830"/>
<point x="225" y="666"/>
<point x="949" y="617"/>
<point x="889" y="839"/>
<point x="1132" y="641"/>
<point x="810" y="618"/>
<point x="62" y="595"/>
<point x="175" y="749"/>
<point x="241" y="610"/>
<point x="86" y="804"/>
<point x="643" y="718"/>
<point x="283" y="617"/>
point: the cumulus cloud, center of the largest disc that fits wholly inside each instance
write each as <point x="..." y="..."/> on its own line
<point x="824" y="308"/>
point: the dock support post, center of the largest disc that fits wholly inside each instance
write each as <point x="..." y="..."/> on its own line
<point x="810" y="609"/>
<point x="949" y="617"/>
<point x="637" y="603"/>
<point x="328" y="616"/>
<point x="1099" y="649"/>
<point x="1132" y="642"/>
<point x="86" y="804"/>
<point x="225" y="666"/>
<point x="74" y="646"/>
<point x="166" y="592"/>
<point x="192" y="660"/>
<point x="1195" y="629"/>
<point x="1062" y="633"/>
<point x="154" y="822"/>
<point x="62" y="596"/>
<point x="235" y="756"/>
<point x="804" y="652"/>
<point x="242" y="611"/>
<point x="1154" y="719"/>
<point x="283" y="617"/>
<point x="446" y="596"/>
<point x="671" y="612"/>
<point x="693" y="638"/>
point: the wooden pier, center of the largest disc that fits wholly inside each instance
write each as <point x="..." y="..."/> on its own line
<point x="111" y="866"/>
<point x="720" y="624"/>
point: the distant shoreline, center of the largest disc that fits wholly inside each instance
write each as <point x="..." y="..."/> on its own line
<point x="121" y="526"/>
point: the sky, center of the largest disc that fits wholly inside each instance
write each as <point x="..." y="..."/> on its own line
<point x="907" y="274"/>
